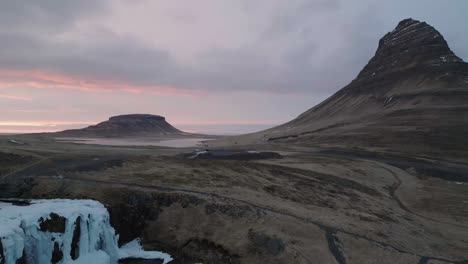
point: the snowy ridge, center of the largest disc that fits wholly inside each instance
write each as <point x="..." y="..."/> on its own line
<point x="46" y="231"/>
<point x="397" y="36"/>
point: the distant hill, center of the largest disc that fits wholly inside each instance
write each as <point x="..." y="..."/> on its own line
<point x="411" y="96"/>
<point x="126" y="125"/>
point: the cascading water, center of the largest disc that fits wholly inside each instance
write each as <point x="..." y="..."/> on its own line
<point x="63" y="231"/>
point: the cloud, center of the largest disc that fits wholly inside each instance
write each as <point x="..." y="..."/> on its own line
<point x="119" y="62"/>
<point x="298" y="46"/>
<point x="46" y="16"/>
<point x="15" y="97"/>
<point x="43" y="123"/>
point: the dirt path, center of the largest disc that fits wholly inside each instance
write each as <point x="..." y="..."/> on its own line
<point x="393" y="191"/>
<point x="32" y="164"/>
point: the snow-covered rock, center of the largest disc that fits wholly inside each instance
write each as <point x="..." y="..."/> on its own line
<point x="62" y="231"/>
<point x="134" y="249"/>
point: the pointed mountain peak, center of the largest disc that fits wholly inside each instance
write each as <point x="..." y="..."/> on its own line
<point x="412" y="43"/>
<point x="405" y="23"/>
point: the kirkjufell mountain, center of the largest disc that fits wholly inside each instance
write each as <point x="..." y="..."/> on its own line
<point x="126" y="125"/>
<point x="411" y="96"/>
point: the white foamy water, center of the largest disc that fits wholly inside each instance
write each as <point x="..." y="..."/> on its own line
<point x="20" y="233"/>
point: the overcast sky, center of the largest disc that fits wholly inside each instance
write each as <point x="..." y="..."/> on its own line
<point x="206" y="65"/>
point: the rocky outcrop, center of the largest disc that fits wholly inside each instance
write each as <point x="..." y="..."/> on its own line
<point x="55" y="223"/>
<point x="2" y="256"/>
<point x="271" y="244"/>
<point x="411" y="44"/>
<point x="209" y="251"/>
<point x="57" y="254"/>
<point x="136" y="209"/>
<point x="125" y="125"/>
<point x="74" y="254"/>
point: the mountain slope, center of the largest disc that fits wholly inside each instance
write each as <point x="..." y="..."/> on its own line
<point x="411" y="96"/>
<point x="126" y="125"/>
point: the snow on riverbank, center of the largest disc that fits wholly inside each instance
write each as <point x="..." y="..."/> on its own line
<point x="135" y="250"/>
<point x="63" y="231"/>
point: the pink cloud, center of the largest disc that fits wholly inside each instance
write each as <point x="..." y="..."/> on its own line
<point x="15" y="97"/>
<point x="44" y="123"/>
<point x="43" y="79"/>
<point x="19" y="131"/>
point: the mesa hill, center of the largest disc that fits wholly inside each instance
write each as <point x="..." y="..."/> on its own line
<point x="126" y="125"/>
<point x="411" y="96"/>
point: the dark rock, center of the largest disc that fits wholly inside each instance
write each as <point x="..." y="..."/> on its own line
<point x="166" y="200"/>
<point x="233" y="211"/>
<point x="134" y="124"/>
<point x="22" y="260"/>
<point x="334" y="246"/>
<point x="55" y="224"/>
<point x="140" y="261"/>
<point x="8" y="159"/>
<point x="208" y="252"/>
<point x="8" y="162"/>
<point x="273" y="245"/>
<point x="412" y="43"/>
<point x="74" y="254"/>
<point x="57" y="254"/>
<point x="141" y="207"/>
<point x="129" y="222"/>
<point x="17" y="202"/>
<point x="133" y="117"/>
<point x="2" y="257"/>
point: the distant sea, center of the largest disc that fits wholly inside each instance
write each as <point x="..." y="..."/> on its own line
<point x="212" y="129"/>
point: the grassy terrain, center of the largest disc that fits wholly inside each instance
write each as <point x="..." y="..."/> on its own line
<point x="314" y="204"/>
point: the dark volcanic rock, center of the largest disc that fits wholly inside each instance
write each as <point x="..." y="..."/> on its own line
<point x="209" y="251"/>
<point x="141" y="261"/>
<point x="234" y="211"/>
<point x="413" y="48"/>
<point x="16" y="202"/>
<point x="412" y="43"/>
<point x="22" y="260"/>
<point x="55" y="224"/>
<point x="8" y="159"/>
<point x="123" y="216"/>
<point x="2" y="257"/>
<point x="74" y="253"/>
<point x="272" y="244"/>
<point x="57" y="254"/>
<point x="125" y="125"/>
<point x="141" y="207"/>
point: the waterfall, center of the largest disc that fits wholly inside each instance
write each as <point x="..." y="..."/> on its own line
<point x="63" y="232"/>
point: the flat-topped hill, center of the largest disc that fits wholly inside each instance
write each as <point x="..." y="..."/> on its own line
<point x="126" y="125"/>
